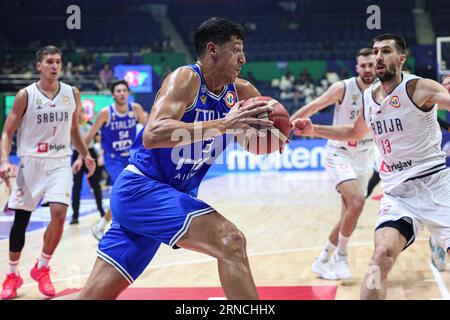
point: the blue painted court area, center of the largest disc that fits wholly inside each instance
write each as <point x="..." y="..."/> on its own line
<point x="41" y="216"/>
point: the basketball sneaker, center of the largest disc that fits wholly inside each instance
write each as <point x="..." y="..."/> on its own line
<point x="10" y="285"/>
<point x="341" y="268"/>
<point x="437" y="255"/>
<point x="97" y="232"/>
<point x="323" y="269"/>
<point x="42" y="276"/>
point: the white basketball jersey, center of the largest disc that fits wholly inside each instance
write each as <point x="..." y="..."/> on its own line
<point x="346" y="112"/>
<point x="408" y="138"/>
<point x="45" y="127"/>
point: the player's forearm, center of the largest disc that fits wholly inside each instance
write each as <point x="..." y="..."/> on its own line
<point x="344" y="132"/>
<point x="5" y="147"/>
<point x="305" y="111"/>
<point x="170" y="133"/>
<point x="79" y="144"/>
<point x="88" y="139"/>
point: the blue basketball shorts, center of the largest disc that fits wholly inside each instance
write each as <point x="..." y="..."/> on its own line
<point x="146" y="213"/>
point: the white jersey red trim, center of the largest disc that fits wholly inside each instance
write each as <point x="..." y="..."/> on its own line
<point x="44" y="130"/>
<point x="408" y="138"/>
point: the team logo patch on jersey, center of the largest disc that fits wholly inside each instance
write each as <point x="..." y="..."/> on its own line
<point x="131" y="114"/>
<point x="42" y="147"/>
<point x="395" y="102"/>
<point x="383" y="167"/>
<point x="66" y="100"/>
<point x="230" y="99"/>
<point x="355" y="99"/>
<point x="203" y="98"/>
<point x="203" y="88"/>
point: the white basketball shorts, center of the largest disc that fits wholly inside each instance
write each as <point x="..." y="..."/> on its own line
<point x="425" y="201"/>
<point x="47" y="178"/>
<point x="343" y="165"/>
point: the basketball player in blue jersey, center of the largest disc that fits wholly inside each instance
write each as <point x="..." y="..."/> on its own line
<point x="154" y="200"/>
<point x="117" y="125"/>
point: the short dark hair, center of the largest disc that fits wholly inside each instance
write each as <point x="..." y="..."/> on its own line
<point x="400" y="43"/>
<point x="47" y="50"/>
<point x="115" y="84"/>
<point x="217" y="30"/>
<point x="365" y="52"/>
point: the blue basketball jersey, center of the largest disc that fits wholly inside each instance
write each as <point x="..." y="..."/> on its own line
<point x="183" y="167"/>
<point x="118" y="135"/>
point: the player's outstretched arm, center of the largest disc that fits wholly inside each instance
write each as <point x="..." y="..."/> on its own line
<point x="429" y="92"/>
<point x="332" y="95"/>
<point x="357" y="131"/>
<point x="164" y="128"/>
<point x="14" y="117"/>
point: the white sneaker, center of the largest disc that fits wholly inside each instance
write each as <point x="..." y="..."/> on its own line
<point x="437" y="255"/>
<point x="323" y="269"/>
<point x="97" y="232"/>
<point x="341" y="268"/>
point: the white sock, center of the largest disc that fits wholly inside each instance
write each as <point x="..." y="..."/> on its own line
<point x="327" y="251"/>
<point x="44" y="260"/>
<point x="342" y="244"/>
<point x="14" y="266"/>
<point x="102" y="223"/>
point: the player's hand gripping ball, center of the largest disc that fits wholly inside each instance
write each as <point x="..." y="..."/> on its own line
<point x="271" y="139"/>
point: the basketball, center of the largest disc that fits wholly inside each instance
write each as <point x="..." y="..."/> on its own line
<point x="269" y="139"/>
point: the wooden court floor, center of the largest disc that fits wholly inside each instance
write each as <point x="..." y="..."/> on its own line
<point x="286" y="218"/>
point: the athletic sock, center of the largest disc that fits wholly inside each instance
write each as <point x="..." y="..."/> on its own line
<point x="327" y="251"/>
<point x="44" y="260"/>
<point x="14" y="266"/>
<point x="342" y="244"/>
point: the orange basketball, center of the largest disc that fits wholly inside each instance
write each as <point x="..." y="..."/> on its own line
<point x="269" y="139"/>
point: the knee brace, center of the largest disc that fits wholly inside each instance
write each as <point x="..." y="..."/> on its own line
<point x="17" y="234"/>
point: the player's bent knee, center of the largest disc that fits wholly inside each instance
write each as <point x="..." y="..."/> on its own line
<point x="383" y="257"/>
<point x="356" y="204"/>
<point x="58" y="218"/>
<point x="233" y="244"/>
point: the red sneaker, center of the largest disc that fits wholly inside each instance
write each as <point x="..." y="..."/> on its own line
<point x="42" y="276"/>
<point x="10" y="285"/>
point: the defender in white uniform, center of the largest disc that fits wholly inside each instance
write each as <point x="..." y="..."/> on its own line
<point x="349" y="163"/>
<point x="42" y="114"/>
<point x="400" y="112"/>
